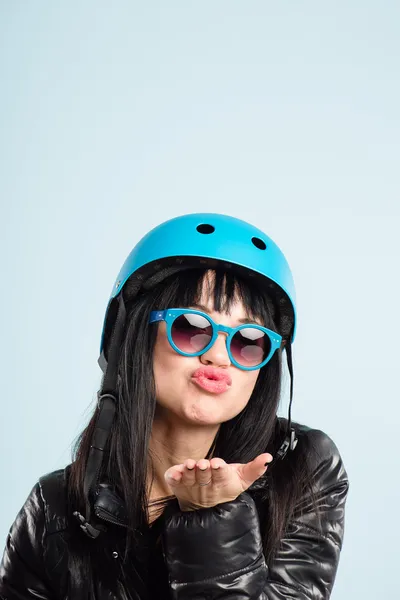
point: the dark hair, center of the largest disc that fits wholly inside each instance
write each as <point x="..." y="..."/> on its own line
<point x="254" y="431"/>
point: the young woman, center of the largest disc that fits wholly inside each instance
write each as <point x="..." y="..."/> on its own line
<point x="185" y="484"/>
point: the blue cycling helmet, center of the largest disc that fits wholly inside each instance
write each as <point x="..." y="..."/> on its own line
<point x="206" y="240"/>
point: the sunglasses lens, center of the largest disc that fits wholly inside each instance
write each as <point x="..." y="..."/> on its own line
<point x="191" y="333"/>
<point x="250" y="346"/>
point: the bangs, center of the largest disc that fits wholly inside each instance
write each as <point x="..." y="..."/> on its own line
<point x="223" y="288"/>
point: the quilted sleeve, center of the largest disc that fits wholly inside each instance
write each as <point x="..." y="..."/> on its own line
<point x="217" y="552"/>
<point x="306" y="564"/>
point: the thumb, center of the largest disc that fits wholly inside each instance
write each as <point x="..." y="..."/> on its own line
<point x="255" y="468"/>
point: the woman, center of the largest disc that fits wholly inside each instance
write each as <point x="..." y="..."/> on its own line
<point x="185" y="484"/>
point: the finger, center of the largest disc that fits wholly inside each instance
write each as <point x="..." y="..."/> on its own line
<point x="189" y="472"/>
<point x="203" y="471"/>
<point x="174" y="474"/>
<point x="219" y="469"/>
<point x="173" y="479"/>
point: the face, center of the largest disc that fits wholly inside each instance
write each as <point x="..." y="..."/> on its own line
<point x="179" y="395"/>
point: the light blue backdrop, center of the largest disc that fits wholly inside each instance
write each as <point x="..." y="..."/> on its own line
<point x="116" y="116"/>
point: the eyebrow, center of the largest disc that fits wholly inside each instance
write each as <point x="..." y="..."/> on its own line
<point x="206" y="310"/>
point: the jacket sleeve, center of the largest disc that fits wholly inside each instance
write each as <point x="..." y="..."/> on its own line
<point x="22" y="570"/>
<point x="217" y="552"/>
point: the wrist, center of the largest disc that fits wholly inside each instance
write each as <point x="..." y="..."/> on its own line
<point x="186" y="508"/>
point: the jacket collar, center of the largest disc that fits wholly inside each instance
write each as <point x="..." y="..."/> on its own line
<point x="108" y="506"/>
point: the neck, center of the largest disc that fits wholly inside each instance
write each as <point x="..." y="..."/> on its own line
<point x="172" y="444"/>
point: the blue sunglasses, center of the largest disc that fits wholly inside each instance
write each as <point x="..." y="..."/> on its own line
<point x="192" y="333"/>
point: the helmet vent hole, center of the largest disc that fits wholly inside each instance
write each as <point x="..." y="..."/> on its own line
<point x="204" y="228"/>
<point x="259" y="243"/>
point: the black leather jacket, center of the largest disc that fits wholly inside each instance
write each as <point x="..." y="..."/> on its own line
<point x="209" y="553"/>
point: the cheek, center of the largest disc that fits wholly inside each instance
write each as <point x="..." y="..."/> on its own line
<point x="165" y="363"/>
<point x="161" y="356"/>
<point x="161" y="346"/>
<point x="250" y="377"/>
<point x="243" y="388"/>
<point x="248" y="382"/>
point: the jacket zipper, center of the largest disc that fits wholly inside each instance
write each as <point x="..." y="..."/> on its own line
<point x="105" y="516"/>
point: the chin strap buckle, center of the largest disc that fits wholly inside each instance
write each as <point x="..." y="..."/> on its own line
<point x="293" y="439"/>
<point x="289" y="443"/>
<point x="86" y="527"/>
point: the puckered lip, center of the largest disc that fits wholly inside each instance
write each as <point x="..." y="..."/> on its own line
<point x="212" y="373"/>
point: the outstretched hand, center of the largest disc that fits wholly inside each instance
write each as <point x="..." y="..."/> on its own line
<point x="228" y="481"/>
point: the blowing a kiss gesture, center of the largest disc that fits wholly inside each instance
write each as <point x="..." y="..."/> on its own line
<point x="210" y="482"/>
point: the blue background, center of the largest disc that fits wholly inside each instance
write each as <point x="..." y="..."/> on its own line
<point x="117" y="116"/>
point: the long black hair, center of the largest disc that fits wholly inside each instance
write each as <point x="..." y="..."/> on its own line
<point x="254" y="431"/>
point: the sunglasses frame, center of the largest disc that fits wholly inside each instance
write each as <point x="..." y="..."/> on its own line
<point x="170" y="314"/>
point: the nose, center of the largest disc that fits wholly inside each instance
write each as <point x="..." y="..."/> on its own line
<point x="217" y="355"/>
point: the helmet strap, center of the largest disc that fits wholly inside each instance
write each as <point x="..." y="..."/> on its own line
<point x="290" y="441"/>
<point x="107" y="403"/>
